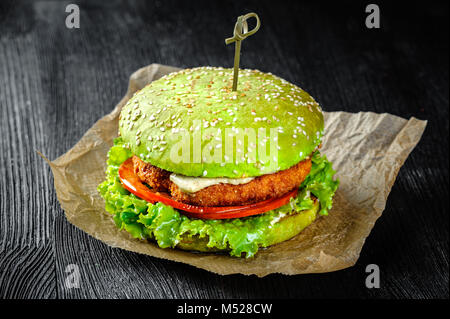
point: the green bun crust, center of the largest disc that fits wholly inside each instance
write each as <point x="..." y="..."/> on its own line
<point x="286" y="228"/>
<point x="200" y="100"/>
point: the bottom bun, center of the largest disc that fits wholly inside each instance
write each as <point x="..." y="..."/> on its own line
<point x="286" y="228"/>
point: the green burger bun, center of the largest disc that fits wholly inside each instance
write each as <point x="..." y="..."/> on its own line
<point x="195" y="100"/>
<point x="284" y="229"/>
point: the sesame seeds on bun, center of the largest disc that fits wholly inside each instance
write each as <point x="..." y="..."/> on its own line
<point x="171" y="114"/>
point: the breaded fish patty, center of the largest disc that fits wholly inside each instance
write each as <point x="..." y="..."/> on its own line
<point x="259" y="189"/>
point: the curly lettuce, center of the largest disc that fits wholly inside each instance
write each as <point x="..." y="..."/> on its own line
<point x="320" y="182"/>
<point x="166" y="226"/>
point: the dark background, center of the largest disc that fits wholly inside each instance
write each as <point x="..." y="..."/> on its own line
<point x="55" y="83"/>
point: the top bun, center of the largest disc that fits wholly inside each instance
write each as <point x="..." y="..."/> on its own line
<point x="182" y="122"/>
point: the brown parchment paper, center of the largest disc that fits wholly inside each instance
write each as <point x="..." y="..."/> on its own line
<point x="366" y="149"/>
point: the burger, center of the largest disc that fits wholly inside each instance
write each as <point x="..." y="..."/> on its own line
<point x="200" y="167"/>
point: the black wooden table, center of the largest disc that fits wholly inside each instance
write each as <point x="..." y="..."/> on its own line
<point x="56" y="82"/>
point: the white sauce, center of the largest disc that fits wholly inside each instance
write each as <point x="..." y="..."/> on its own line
<point x="277" y="218"/>
<point x="190" y="184"/>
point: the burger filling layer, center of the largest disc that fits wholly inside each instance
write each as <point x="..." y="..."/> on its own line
<point x="239" y="236"/>
<point x="231" y="193"/>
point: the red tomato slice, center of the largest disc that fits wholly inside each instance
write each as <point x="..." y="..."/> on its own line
<point x="133" y="184"/>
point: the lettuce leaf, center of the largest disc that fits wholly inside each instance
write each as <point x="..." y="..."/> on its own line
<point x="167" y="226"/>
<point x="320" y="182"/>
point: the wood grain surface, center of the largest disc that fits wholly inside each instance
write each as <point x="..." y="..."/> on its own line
<point x="56" y="82"/>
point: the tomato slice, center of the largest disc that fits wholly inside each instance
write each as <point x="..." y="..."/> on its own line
<point x="133" y="184"/>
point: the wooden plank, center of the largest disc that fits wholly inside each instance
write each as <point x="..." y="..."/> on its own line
<point x="55" y="83"/>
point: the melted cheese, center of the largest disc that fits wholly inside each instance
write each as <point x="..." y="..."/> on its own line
<point x="193" y="184"/>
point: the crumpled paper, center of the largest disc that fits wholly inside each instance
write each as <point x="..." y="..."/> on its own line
<point x="367" y="151"/>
